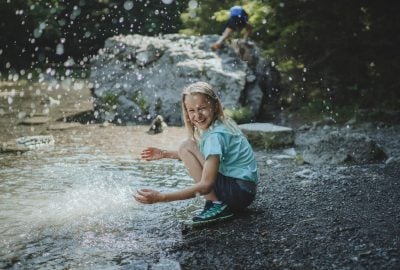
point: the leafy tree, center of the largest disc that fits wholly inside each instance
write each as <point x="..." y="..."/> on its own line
<point x="332" y="52"/>
<point x="51" y="31"/>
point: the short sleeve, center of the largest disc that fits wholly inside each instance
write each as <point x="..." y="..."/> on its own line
<point x="213" y="145"/>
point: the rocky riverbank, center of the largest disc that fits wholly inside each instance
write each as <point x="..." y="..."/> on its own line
<point x="321" y="216"/>
<point x="309" y="217"/>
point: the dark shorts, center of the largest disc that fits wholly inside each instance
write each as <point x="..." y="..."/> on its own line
<point x="236" y="23"/>
<point x="236" y="193"/>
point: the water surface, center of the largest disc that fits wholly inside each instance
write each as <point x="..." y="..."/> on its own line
<point x="71" y="205"/>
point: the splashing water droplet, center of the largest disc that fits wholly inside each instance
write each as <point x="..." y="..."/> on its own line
<point x="193" y="4"/>
<point x="60" y="49"/>
<point x="21" y="115"/>
<point x="128" y="5"/>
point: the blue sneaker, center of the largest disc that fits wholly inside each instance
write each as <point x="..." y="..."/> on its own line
<point x="212" y="212"/>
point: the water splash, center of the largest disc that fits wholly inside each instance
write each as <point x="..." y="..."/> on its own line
<point x="72" y="206"/>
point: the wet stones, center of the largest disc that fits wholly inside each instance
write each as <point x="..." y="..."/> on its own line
<point x="35" y="120"/>
<point x="33" y="142"/>
<point x="64" y="126"/>
<point x="157" y="125"/>
<point x="12" y="147"/>
<point x="27" y="143"/>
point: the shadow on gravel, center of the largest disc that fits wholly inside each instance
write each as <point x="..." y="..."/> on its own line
<point x="347" y="217"/>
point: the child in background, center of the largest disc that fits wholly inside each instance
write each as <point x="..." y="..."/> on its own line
<point x="238" y="19"/>
<point x="217" y="156"/>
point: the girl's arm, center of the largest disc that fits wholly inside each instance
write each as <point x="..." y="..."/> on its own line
<point x="153" y="153"/>
<point x="210" y="171"/>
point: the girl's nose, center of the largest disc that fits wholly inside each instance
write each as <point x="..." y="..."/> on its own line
<point x="196" y="115"/>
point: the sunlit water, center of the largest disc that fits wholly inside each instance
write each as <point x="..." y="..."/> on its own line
<point x="71" y="205"/>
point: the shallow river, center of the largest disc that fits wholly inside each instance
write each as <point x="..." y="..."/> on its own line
<point x="71" y="205"/>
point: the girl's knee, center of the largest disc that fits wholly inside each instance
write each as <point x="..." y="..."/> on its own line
<point x="186" y="146"/>
<point x="189" y="150"/>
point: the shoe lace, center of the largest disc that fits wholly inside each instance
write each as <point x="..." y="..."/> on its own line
<point x="214" y="209"/>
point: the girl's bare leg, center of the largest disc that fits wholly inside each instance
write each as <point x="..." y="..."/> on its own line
<point x="193" y="160"/>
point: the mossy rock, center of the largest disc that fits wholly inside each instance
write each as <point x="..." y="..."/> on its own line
<point x="268" y="136"/>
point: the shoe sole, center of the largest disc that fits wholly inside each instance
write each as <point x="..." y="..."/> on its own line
<point x="207" y="222"/>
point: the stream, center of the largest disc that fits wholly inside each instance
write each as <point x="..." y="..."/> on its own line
<point x="70" y="205"/>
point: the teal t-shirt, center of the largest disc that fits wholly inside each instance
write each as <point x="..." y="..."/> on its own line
<point x="237" y="158"/>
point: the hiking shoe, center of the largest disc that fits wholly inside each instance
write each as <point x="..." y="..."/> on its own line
<point x="207" y="206"/>
<point x="212" y="212"/>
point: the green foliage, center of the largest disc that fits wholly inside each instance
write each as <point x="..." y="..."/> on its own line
<point x="221" y="16"/>
<point x="110" y="99"/>
<point x="140" y="100"/>
<point x="344" y="52"/>
<point x="240" y="115"/>
<point x="205" y="17"/>
<point x="38" y="32"/>
<point x="336" y="43"/>
<point x="347" y="50"/>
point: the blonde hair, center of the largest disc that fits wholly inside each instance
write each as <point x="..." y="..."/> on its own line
<point x="205" y="89"/>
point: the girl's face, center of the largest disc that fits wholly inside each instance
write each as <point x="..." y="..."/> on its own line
<point x="200" y="110"/>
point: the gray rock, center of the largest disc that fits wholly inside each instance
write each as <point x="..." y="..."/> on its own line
<point x="337" y="148"/>
<point x="392" y="160"/>
<point x="12" y="147"/>
<point x="157" y="125"/>
<point x="36" y="120"/>
<point x="33" y="142"/>
<point x="136" y="265"/>
<point x="136" y="77"/>
<point x="306" y="174"/>
<point x="27" y="143"/>
<point x="267" y="136"/>
<point x="166" y="264"/>
<point x="64" y="126"/>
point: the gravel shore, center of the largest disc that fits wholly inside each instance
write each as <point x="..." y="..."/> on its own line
<point x="309" y="217"/>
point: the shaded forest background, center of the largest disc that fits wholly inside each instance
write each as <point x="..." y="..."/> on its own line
<point x="330" y="54"/>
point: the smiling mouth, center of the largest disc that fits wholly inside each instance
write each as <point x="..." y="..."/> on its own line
<point x="199" y="123"/>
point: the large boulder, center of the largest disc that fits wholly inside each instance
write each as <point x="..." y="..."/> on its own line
<point x="134" y="77"/>
<point x="339" y="148"/>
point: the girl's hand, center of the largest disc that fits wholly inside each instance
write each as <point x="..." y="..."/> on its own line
<point x="152" y="153"/>
<point x="148" y="196"/>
